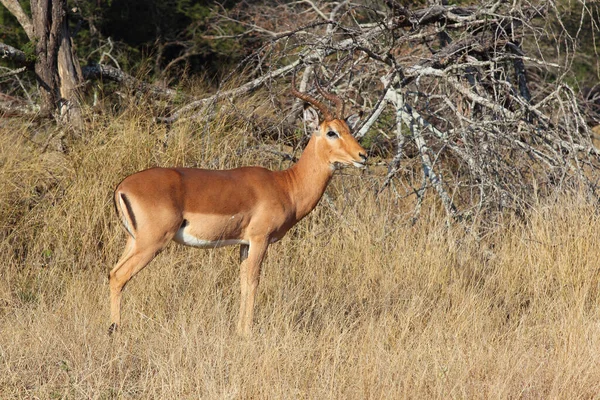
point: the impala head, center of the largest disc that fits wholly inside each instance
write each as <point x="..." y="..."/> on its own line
<point x="333" y="136"/>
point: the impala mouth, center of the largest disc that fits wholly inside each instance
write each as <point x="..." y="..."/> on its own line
<point x="343" y="164"/>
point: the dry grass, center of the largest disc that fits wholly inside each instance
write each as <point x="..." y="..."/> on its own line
<point x="364" y="306"/>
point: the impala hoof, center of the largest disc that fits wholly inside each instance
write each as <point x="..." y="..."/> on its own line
<point x="112" y="328"/>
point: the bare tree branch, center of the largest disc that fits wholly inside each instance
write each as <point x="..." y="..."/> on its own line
<point x="15" y="9"/>
<point x="100" y="71"/>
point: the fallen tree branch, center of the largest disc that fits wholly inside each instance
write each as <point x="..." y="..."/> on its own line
<point x="101" y="71"/>
<point x="311" y="56"/>
<point x="13" y="72"/>
<point x="98" y="71"/>
<point x="248" y="87"/>
<point x="15" y="55"/>
<point x="13" y="106"/>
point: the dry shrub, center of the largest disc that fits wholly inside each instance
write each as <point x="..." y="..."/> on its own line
<point x="354" y="303"/>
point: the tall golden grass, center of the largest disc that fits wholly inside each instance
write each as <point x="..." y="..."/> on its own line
<point x="354" y="303"/>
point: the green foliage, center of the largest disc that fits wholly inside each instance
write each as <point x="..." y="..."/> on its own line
<point x="11" y="32"/>
<point x="29" y="50"/>
<point x="161" y="31"/>
<point x="193" y="10"/>
<point x="146" y="33"/>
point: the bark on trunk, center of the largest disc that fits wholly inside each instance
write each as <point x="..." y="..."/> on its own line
<point x="70" y="76"/>
<point x="56" y="67"/>
<point x="46" y="51"/>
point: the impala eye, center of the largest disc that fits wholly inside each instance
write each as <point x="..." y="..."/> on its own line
<point x="332" y="134"/>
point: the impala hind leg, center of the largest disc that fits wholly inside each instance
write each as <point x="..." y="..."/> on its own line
<point x="252" y="257"/>
<point x="133" y="260"/>
<point x="244" y="249"/>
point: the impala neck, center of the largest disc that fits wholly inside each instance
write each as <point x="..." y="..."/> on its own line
<point x="308" y="179"/>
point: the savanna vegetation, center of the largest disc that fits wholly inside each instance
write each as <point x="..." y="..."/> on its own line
<point x="482" y="283"/>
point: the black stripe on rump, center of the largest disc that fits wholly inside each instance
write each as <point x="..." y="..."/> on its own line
<point x="129" y="210"/>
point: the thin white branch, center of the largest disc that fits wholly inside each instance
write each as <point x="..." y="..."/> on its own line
<point x="377" y="112"/>
<point x="12" y="72"/>
<point x="396" y="97"/>
<point x="247" y="87"/>
<point x="313" y="6"/>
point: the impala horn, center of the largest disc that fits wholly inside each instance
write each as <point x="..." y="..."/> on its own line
<point x="331" y="97"/>
<point x="311" y="100"/>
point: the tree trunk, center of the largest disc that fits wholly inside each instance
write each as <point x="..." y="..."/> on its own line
<point x="70" y="76"/>
<point x="46" y="52"/>
<point x="56" y="67"/>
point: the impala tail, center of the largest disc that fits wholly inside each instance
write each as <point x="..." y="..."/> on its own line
<point x="125" y="212"/>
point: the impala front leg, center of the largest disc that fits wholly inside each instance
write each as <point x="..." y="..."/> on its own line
<point x="252" y="257"/>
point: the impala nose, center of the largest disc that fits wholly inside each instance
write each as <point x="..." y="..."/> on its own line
<point x="363" y="156"/>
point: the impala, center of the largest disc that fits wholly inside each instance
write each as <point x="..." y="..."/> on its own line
<point x="249" y="206"/>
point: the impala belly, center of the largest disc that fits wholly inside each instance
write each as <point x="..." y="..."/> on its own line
<point x="182" y="237"/>
<point x="210" y="231"/>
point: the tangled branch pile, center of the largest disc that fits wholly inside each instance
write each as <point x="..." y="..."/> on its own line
<point x="472" y="102"/>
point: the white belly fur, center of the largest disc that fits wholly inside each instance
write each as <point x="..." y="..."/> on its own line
<point x="185" y="238"/>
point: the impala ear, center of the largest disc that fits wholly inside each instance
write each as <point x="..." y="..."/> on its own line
<point x="352" y="121"/>
<point x="311" y="118"/>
